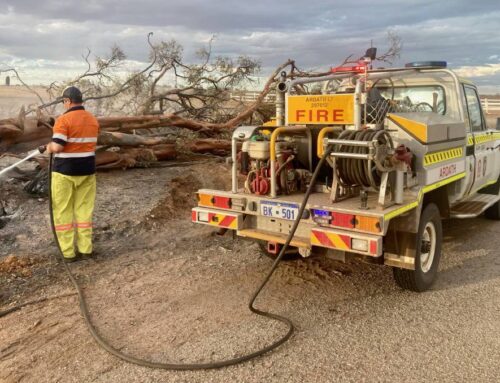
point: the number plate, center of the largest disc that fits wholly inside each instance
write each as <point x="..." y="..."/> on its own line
<point x="280" y="210"/>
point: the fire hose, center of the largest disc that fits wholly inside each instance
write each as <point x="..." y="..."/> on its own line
<point x="188" y="366"/>
<point x="361" y="172"/>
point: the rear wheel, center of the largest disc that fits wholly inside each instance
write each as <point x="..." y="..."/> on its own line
<point x="493" y="212"/>
<point x="427" y="253"/>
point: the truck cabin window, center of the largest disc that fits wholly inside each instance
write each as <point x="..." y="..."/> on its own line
<point x="474" y="109"/>
<point x="430" y="99"/>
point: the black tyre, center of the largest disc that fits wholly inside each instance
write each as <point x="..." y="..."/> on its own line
<point x="428" y="253"/>
<point x="493" y="212"/>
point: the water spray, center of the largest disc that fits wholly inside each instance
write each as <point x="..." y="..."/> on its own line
<point x="34" y="153"/>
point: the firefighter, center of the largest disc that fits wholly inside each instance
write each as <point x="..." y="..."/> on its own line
<point x="73" y="184"/>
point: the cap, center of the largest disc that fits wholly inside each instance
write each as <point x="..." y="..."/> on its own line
<point x="73" y="93"/>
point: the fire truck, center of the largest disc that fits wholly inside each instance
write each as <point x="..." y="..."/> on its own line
<point x="404" y="148"/>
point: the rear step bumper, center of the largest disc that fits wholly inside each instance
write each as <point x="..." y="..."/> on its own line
<point x="342" y="240"/>
<point x="274" y="237"/>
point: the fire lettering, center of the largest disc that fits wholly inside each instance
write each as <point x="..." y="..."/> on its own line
<point x="338" y="115"/>
<point x="319" y="115"/>
<point x="299" y="114"/>
<point x="322" y="115"/>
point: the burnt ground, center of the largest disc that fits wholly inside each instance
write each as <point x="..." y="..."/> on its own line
<point x="165" y="289"/>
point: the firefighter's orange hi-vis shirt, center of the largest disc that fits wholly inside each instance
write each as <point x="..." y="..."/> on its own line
<point x="77" y="131"/>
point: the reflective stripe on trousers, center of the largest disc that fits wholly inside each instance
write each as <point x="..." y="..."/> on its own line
<point x="73" y="205"/>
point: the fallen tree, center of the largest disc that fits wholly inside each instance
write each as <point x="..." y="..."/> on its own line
<point x="133" y="157"/>
<point x="23" y="129"/>
<point x="24" y="133"/>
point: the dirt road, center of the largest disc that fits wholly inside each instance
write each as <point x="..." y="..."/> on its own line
<point x="164" y="289"/>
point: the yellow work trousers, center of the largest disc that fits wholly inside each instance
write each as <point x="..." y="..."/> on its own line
<point x="73" y="205"/>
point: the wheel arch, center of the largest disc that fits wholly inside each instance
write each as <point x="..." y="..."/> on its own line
<point x="402" y="230"/>
<point x="439" y="197"/>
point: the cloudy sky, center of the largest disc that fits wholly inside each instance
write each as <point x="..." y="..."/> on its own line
<point x="45" y="39"/>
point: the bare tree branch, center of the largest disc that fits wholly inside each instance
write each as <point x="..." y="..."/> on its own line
<point x="102" y="65"/>
<point x="394" y="50"/>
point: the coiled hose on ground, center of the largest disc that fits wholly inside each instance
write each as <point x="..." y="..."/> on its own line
<point x="188" y="366"/>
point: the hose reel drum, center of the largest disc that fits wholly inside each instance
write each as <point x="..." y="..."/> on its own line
<point x="363" y="160"/>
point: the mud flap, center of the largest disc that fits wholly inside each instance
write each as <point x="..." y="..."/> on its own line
<point x="401" y="250"/>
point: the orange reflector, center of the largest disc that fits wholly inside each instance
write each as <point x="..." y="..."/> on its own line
<point x="371" y="224"/>
<point x="205" y="200"/>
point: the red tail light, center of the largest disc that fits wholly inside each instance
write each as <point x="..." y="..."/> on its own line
<point x="343" y="220"/>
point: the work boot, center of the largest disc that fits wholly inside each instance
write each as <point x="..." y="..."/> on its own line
<point x="71" y="259"/>
<point x="86" y="255"/>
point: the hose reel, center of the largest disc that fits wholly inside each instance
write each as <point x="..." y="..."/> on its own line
<point x="361" y="159"/>
<point x="361" y="156"/>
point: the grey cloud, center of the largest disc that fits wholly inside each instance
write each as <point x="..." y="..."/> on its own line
<point x="221" y="15"/>
<point x="317" y="34"/>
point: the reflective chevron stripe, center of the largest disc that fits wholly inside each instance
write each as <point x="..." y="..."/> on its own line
<point x="445" y="155"/>
<point x="346" y="241"/>
<point x="214" y="218"/>
<point x="331" y="240"/>
<point x="481" y="138"/>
